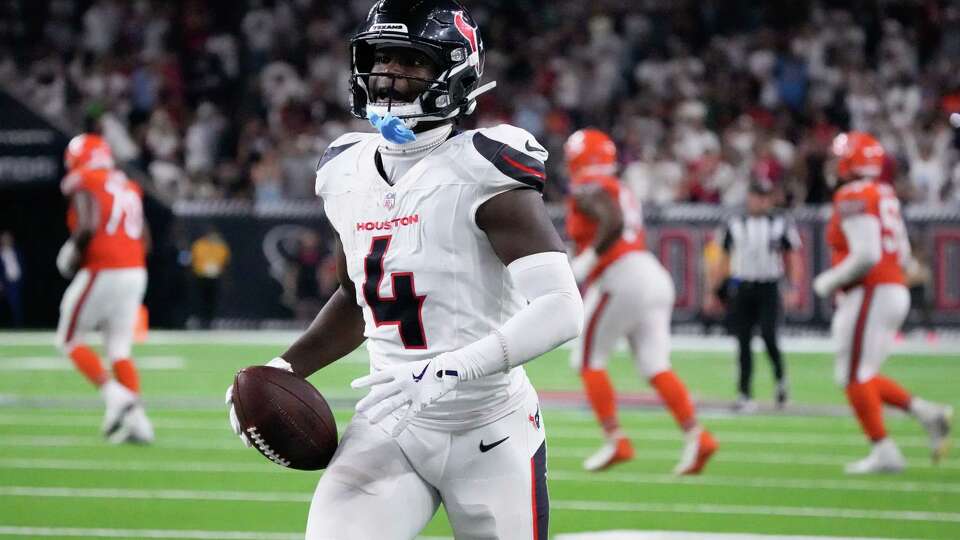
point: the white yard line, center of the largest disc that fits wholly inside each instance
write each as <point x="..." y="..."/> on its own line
<point x="733" y="435"/>
<point x="746" y="456"/>
<point x="155" y="494"/>
<point x="557" y="504"/>
<point x="739" y="509"/>
<point x="79" y="441"/>
<point x="729" y="433"/>
<point x="681" y="535"/>
<point x="575" y="418"/>
<point x="140" y="466"/>
<point x="555" y="475"/>
<point x="753" y="458"/>
<point x="949" y="344"/>
<point x="35" y="532"/>
<point x="751" y="482"/>
<point x="57" y="363"/>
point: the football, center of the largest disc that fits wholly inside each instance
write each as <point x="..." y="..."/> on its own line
<point x="285" y="417"/>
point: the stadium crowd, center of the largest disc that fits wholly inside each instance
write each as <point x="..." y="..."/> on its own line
<point x="222" y="99"/>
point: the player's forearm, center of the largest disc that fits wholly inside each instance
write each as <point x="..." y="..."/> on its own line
<point x="863" y="237"/>
<point x="609" y="229"/>
<point x="553" y="316"/>
<point x="334" y="333"/>
<point x="794" y="268"/>
<point x="717" y="272"/>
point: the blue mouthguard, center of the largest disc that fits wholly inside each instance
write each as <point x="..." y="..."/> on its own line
<point x="392" y="128"/>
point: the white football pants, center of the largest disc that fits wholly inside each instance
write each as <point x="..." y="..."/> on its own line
<point x="633" y="298"/>
<point x="491" y="481"/>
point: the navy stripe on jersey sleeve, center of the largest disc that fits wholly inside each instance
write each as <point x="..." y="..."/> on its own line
<point x="511" y="162"/>
<point x="332" y="152"/>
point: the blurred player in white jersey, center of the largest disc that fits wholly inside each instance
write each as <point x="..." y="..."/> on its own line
<point x="105" y="258"/>
<point x="452" y="272"/>
<point x="869" y="246"/>
<point x="628" y="294"/>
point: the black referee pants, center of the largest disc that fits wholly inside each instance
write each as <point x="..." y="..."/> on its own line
<point x="756" y="302"/>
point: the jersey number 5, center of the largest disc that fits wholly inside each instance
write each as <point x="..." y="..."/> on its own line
<point x="893" y="232"/>
<point x="404" y="309"/>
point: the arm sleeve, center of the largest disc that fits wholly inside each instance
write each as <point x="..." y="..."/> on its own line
<point x="552" y="316"/>
<point x="863" y="237"/>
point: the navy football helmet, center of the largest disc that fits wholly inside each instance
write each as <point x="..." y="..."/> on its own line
<point x="444" y="31"/>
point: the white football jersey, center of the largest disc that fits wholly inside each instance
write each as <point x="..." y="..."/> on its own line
<point x="426" y="276"/>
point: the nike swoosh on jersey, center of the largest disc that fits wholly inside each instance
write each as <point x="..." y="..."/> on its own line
<point x="416" y="378"/>
<point x="532" y="148"/>
<point x="491" y="446"/>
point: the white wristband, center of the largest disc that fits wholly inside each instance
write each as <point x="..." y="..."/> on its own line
<point x="280" y="363"/>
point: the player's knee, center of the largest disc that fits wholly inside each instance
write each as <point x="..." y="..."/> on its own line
<point x="841" y="376"/>
<point x="653" y="364"/>
<point x="63" y="345"/>
<point x="576" y="361"/>
<point x="116" y="351"/>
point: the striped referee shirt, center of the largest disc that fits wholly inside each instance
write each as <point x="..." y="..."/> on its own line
<point x="756" y="245"/>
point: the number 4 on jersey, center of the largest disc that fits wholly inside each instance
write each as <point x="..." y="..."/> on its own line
<point x="404" y="309"/>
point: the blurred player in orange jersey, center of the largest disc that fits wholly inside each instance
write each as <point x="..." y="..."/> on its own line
<point x="628" y="294"/>
<point x="869" y="246"/>
<point x="105" y="258"/>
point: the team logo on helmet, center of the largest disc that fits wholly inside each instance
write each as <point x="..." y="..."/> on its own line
<point x="467" y="31"/>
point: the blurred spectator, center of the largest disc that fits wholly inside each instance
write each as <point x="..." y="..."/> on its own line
<point x="202" y="140"/>
<point x="200" y="92"/>
<point x="267" y="178"/>
<point x="11" y="277"/>
<point x="209" y="256"/>
<point x="927" y="154"/>
<point x="307" y="282"/>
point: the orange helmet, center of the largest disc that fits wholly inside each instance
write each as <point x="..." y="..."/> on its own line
<point x="858" y="154"/>
<point x="87" y="151"/>
<point x="590" y="151"/>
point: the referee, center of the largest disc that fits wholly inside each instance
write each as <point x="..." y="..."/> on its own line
<point x="754" y="248"/>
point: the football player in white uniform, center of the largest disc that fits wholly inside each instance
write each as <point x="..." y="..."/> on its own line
<point x="453" y="274"/>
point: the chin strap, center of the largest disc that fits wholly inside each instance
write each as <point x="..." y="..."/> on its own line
<point x="391" y="128"/>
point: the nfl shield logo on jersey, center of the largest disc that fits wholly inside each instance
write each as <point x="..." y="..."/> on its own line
<point x="389" y="200"/>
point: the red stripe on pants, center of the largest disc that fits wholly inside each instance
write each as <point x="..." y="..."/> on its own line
<point x="857" y="350"/>
<point x="591" y="328"/>
<point x="75" y="316"/>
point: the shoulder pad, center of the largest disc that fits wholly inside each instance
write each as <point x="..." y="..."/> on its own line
<point x="338" y="146"/>
<point x="514" y="152"/>
<point x="855" y="198"/>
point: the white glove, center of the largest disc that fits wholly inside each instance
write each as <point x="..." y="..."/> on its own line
<point x="278" y="363"/>
<point x="417" y="384"/>
<point x="583" y="264"/>
<point x="67" y="259"/>
<point x="823" y="285"/>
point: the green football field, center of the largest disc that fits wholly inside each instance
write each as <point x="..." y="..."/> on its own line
<point x="775" y="473"/>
